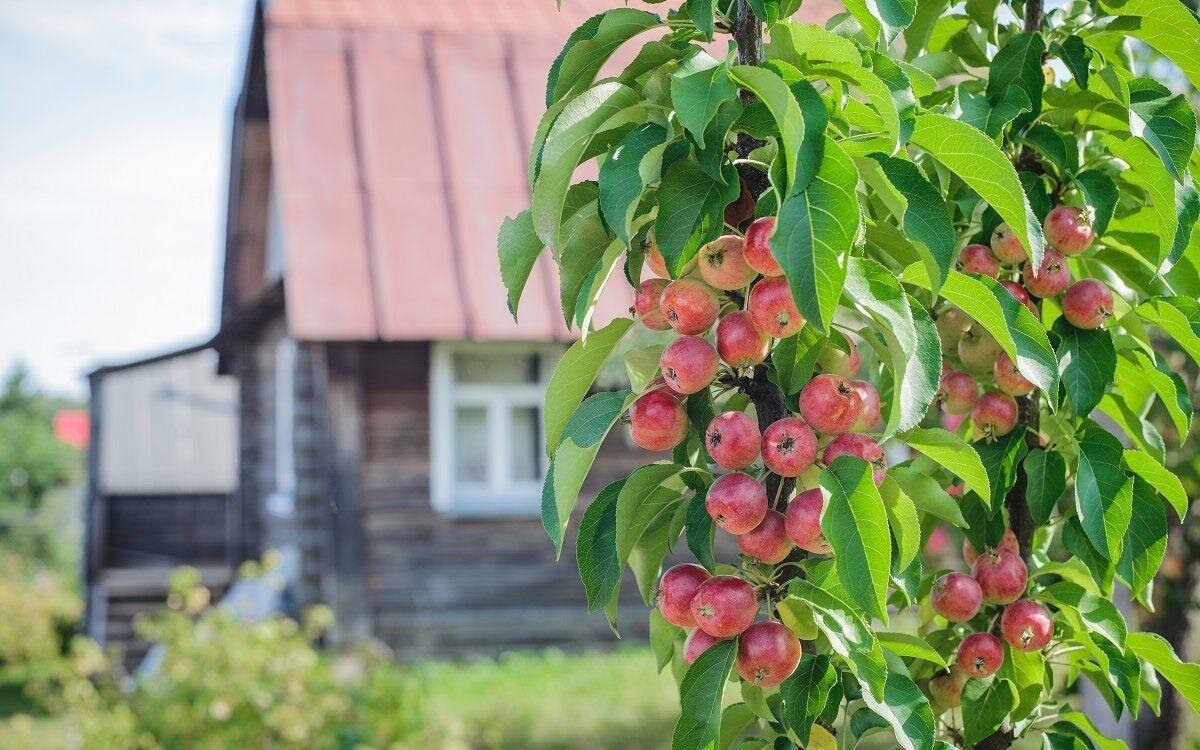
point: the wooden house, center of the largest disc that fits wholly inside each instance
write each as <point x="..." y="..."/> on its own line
<point x="389" y="409"/>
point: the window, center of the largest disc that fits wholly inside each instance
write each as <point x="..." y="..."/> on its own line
<point x="281" y="502"/>
<point x="486" y="426"/>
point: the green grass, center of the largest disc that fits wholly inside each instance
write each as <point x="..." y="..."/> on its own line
<point x="553" y="701"/>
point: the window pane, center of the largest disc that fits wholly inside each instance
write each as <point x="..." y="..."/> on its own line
<point x="470" y="444"/>
<point x="526" y="444"/>
<point x="496" y="367"/>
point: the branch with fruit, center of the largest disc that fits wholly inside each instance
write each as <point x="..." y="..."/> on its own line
<point x="902" y="268"/>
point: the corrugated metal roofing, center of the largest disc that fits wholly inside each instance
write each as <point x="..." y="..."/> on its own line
<point x="399" y="134"/>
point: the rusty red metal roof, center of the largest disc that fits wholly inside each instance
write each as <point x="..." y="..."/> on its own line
<point x="399" y="133"/>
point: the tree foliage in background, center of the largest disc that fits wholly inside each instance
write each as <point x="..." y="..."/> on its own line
<point x="883" y="142"/>
<point x="32" y="460"/>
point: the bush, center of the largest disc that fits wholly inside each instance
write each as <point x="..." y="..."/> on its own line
<point x="225" y="683"/>
<point x="37" y="612"/>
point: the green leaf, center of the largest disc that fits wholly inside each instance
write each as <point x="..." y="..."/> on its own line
<point x="596" y="548"/>
<point x="887" y="17"/>
<point x="691" y="207"/>
<point x="1047" y="475"/>
<point x="1018" y="64"/>
<point x="573" y="458"/>
<point x="849" y="636"/>
<point x="734" y="721"/>
<point x="1146" y="543"/>
<point x="1101" y="571"/>
<point x="1076" y="56"/>
<point x="1103" y="494"/>
<point x="519" y="248"/>
<point x="1001" y="457"/>
<point x="1101" y="194"/>
<point x="903" y="644"/>
<point x="815" y="231"/>
<point x="1076" y="722"/>
<point x="633" y="165"/>
<point x="1017" y="331"/>
<point x="954" y="454"/>
<point x="1135" y="366"/>
<point x="590" y="46"/>
<point x="1179" y="317"/>
<point x="906" y="710"/>
<point x="795" y="357"/>
<point x="663" y="637"/>
<point x="1169" y="126"/>
<point x="916" y="353"/>
<point x="1027" y="671"/>
<point x="1147" y="171"/>
<point x="1087" y="360"/>
<point x="928" y="495"/>
<point x="702" y="17"/>
<point x="902" y="517"/>
<point x="771" y="89"/>
<point x="1183" y="676"/>
<point x="855" y="522"/>
<point x="980" y="163"/>
<point x="699" y="85"/>
<point x="1061" y="150"/>
<point x="1098" y="615"/>
<point x="1166" y="25"/>
<point x="565" y="145"/>
<point x="699" y="526"/>
<point x="925" y="218"/>
<point x="644" y="504"/>
<point x="1166" y="482"/>
<point x="806" y="692"/>
<point x="700" y="697"/>
<point x="985" y="705"/>
<point x="991" y="118"/>
<point x="579" y="264"/>
<point x="574" y="375"/>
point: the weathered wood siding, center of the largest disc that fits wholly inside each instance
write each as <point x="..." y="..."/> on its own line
<point x="440" y="585"/>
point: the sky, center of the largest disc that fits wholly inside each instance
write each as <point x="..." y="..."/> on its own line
<point x="114" y="132"/>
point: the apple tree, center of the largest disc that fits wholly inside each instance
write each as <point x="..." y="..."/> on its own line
<point x="910" y="267"/>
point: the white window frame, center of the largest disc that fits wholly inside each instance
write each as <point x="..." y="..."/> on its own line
<point x="500" y="495"/>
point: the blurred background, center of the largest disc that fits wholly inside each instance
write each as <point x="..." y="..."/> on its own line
<point x="255" y="352"/>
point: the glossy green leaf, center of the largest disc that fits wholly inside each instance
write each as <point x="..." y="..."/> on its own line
<point x="691" y="207"/>
<point x="1103" y="494"/>
<point x="806" y="693"/>
<point x="1018" y="64"/>
<point x="632" y="166"/>
<point x="1183" y="676"/>
<point x="1179" y="317"/>
<point x="1147" y="171"/>
<point x="1097" y="613"/>
<point x="1136" y="367"/>
<point x="989" y="117"/>
<point x="855" y="523"/>
<point x="849" y="636"/>
<point x="916" y="352"/>
<point x="927" y="495"/>
<point x="519" y="248"/>
<point x="1164" y="481"/>
<point x="1077" y="56"/>
<point x="1145" y="544"/>
<point x="596" y="548"/>
<point x="954" y="454"/>
<point x="643" y="504"/>
<point x="700" y="697"/>
<point x="698" y="86"/>
<point x="566" y="143"/>
<point x="1047" y="475"/>
<point x="1169" y="126"/>
<point x="925" y="218"/>
<point x="1101" y="194"/>
<point x="663" y="638"/>
<point x="700" y="530"/>
<point x="814" y="233"/>
<point x="574" y="375"/>
<point x="985" y="705"/>
<point x="905" y="525"/>
<point x="906" y="710"/>
<point x="903" y="644"/>
<point x="590" y="46"/>
<point x="1087" y="361"/>
<point x="979" y="162"/>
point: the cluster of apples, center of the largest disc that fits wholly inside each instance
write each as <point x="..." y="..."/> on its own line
<point x="835" y="413"/>
<point x="997" y="578"/>
<point x="1085" y="304"/>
